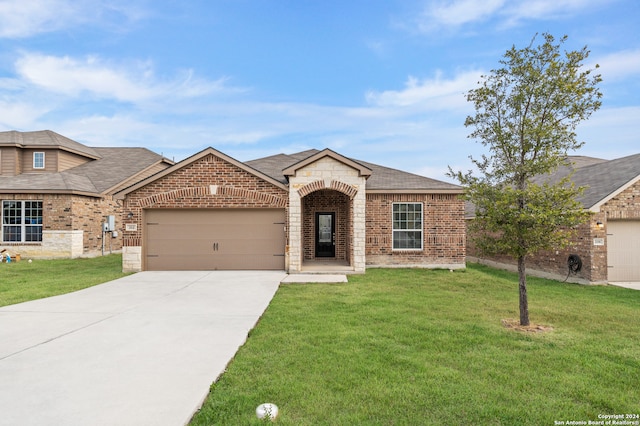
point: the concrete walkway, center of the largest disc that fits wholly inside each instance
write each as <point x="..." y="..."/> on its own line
<point x="141" y="350"/>
<point x="633" y="286"/>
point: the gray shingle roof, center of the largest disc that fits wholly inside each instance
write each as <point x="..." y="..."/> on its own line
<point x="47" y="182"/>
<point x="605" y="178"/>
<point x="382" y="178"/>
<point x="113" y="167"/>
<point x="45" y="139"/>
<point x="602" y="179"/>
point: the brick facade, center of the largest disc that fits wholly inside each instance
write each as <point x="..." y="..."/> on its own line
<point x="323" y="184"/>
<point x="443" y="231"/>
<point x="326" y="201"/>
<point x="209" y="182"/>
<point x="71" y="226"/>
<point x="590" y="243"/>
<point x="312" y="186"/>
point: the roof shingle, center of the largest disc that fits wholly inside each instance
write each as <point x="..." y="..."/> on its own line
<point x="382" y="178"/>
<point x="45" y="139"/>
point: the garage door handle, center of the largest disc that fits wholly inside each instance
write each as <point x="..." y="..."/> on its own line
<point x="215" y="247"/>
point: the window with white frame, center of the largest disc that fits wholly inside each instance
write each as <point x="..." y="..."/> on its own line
<point x="407" y="226"/>
<point x="38" y="160"/>
<point x="21" y="221"/>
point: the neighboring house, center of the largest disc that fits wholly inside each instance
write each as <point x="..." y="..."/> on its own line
<point x="608" y="245"/>
<point x="290" y="212"/>
<point x="56" y="193"/>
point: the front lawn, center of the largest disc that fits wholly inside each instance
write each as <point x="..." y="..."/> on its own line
<point x="23" y="281"/>
<point x="409" y="346"/>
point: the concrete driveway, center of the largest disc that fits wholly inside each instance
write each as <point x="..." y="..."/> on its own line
<point x="141" y="350"/>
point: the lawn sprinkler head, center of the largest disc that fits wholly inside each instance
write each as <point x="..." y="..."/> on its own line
<point x="267" y="411"/>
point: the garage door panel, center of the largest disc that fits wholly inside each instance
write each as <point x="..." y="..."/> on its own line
<point x="211" y="239"/>
<point x="623" y="250"/>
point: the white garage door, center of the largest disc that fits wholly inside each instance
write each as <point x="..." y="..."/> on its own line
<point x="214" y="239"/>
<point x="623" y="250"/>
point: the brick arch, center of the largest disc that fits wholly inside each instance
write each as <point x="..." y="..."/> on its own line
<point x="193" y="191"/>
<point x="348" y="190"/>
<point x="336" y="185"/>
<point x="202" y="191"/>
<point x="254" y="195"/>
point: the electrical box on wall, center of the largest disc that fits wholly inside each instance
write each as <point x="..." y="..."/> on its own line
<point x="110" y="224"/>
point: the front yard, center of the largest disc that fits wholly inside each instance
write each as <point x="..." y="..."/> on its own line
<point x="23" y="281"/>
<point x="408" y="347"/>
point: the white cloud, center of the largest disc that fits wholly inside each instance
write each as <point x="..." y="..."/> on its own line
<point x="611" y="132"/>
<point x="546" y="9"/>
<point x="436" y="93"/>
<point x="457" y="13"/>
<point x="26" y="18"/>
<point x="19" y="114"/>
<point x="92" y="75"/>
<point x="619" y="65"/>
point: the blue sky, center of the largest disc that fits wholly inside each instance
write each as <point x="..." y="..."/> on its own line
<point x="378" y="80"/>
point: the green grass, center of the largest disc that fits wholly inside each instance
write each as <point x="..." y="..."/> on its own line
<point x="23" y="281"/>
<point x="407" y="347"/>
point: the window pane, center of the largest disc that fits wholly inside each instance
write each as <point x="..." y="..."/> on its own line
<point x="11" y="234"/>
<point x="12" y="212"/>
<point x="33" y="234"/>
<point x="407" y="226"/>
<point x="38" y="160"/>
<point x="33" y="212"/>
<point x="407" y="239"/>
<point x="22" y="221"/>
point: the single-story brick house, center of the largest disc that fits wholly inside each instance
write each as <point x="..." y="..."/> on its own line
<point x="290" y="212"/>
<point x="608" y="245"/>
<point x="56" y="193"/>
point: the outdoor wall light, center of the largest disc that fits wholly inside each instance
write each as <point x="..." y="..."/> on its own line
<point x="129" y="215"/>
<point x="600" y="225"/>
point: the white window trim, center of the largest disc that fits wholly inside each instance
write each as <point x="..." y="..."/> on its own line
<point x="421" y="230"/>
<point x="34" y="160"/>
<point x="23" y="225"/>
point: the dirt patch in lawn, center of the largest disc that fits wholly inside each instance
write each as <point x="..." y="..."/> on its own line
<point x="514" y="324"/>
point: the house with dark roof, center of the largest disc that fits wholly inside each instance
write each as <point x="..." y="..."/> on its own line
<point x="309" y="211"/>
<point x="56" y="193"/>
<point x="607" y="247"/>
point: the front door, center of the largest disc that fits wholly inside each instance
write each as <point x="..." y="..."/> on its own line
<point x="325" y="234"/>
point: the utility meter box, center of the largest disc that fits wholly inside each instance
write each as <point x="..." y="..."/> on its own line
<point x="110" y="224"/>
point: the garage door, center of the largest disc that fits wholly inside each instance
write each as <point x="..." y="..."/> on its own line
<point x="623" y="250"/>
<point x="214" y="239"/>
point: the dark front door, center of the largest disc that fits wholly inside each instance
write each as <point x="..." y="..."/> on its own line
<point x="325" y="234"/>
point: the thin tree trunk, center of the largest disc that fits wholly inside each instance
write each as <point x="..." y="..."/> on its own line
<point x="524" y="303"/>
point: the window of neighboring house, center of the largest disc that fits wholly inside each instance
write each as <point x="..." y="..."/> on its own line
<point x="407" y="226"/>
<point x="21" y="221"/>
<point x="38" y="160"/>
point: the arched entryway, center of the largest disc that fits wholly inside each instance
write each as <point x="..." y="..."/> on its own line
<point x="327" y="225"/>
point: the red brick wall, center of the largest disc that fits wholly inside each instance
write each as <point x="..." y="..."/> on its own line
<point x="326" y="201"/>
<point x="555" y="261"/>
<point x="443" y="230"/>
<point x="625" y="205"/>
<point x="89" y="214"/>
<point x="188" y="187"/>
<point x="62" y="212"/>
